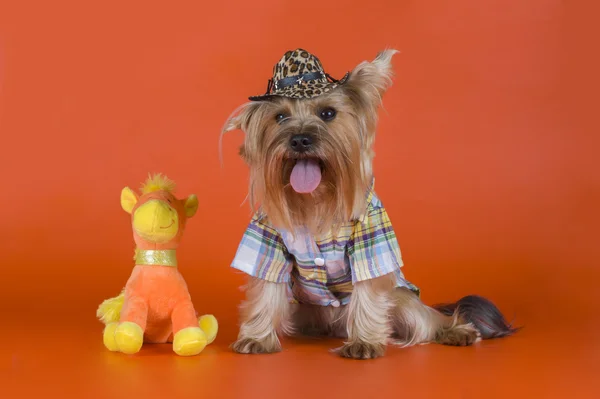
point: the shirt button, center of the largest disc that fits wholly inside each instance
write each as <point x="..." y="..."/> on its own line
<point x="335" y="304"/>
<point x="319" y="261"/>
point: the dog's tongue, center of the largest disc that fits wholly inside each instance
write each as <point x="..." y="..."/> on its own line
<point x="306" y="176"/>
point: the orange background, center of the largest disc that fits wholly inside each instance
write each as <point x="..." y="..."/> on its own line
<point x="486" y="162"/>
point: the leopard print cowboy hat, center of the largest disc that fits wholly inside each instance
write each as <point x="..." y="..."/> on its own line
<point x="299" y="74"/>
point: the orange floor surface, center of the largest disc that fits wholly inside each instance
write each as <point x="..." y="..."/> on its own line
<point x="552" y="357"/>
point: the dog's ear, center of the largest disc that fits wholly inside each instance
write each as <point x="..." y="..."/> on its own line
<point x="241" y="117"/>
<point x="242" y="154"/>
<point x="372" y="78"/>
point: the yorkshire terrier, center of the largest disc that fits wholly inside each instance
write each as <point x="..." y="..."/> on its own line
<point x="320" y="250"/>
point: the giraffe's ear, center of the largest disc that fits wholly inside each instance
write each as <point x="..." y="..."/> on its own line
<point x="128" y="199"/>
<point x="190" y="205"/>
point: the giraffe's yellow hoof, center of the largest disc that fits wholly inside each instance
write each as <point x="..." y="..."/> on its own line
<point x="189" y="342"/>
<point x="208" y="323"/>
<point x="109" y="337"/>
<point x="129" y="337"/>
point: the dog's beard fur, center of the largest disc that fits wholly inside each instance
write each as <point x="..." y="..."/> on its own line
<point x="377" y="311"/>
<point x="343" y="147"/>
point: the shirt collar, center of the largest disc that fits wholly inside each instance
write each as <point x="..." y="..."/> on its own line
<point x="370" y="193"/>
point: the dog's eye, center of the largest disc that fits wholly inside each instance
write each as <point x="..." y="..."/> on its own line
<point x="280" y="117"/>
<point x="327" y="114"/>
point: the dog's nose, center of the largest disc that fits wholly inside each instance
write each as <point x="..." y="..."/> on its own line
<point x="301" y="142"/>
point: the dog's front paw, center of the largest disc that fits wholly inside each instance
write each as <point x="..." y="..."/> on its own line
<point x="253" y="346"/>
<point x="460" y="335"/>
<point x="361" y="350"/>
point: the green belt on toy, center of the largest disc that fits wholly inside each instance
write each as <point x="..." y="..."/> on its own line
<point x="158" y="257"/>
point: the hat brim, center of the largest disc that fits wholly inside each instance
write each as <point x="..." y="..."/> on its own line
<point x="305" y="90"/>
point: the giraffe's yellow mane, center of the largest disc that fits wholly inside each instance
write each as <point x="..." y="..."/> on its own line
<point x="158" y="182"/>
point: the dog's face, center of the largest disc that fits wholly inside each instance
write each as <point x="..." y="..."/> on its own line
<point x="311" y="159"/>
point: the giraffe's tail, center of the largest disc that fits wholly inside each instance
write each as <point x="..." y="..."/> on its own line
<point x="109" y="311"/>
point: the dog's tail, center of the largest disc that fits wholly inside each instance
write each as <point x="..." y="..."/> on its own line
<point x="480" y="312"/>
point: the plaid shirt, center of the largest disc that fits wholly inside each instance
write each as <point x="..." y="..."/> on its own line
<point x="322" y="270"/>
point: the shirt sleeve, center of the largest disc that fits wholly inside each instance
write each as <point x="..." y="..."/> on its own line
<point x="262" y="253"/>
<point x="373" y="249"/>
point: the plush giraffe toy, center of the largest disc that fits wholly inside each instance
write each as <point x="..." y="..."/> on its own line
<point x="155" y="306"/>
